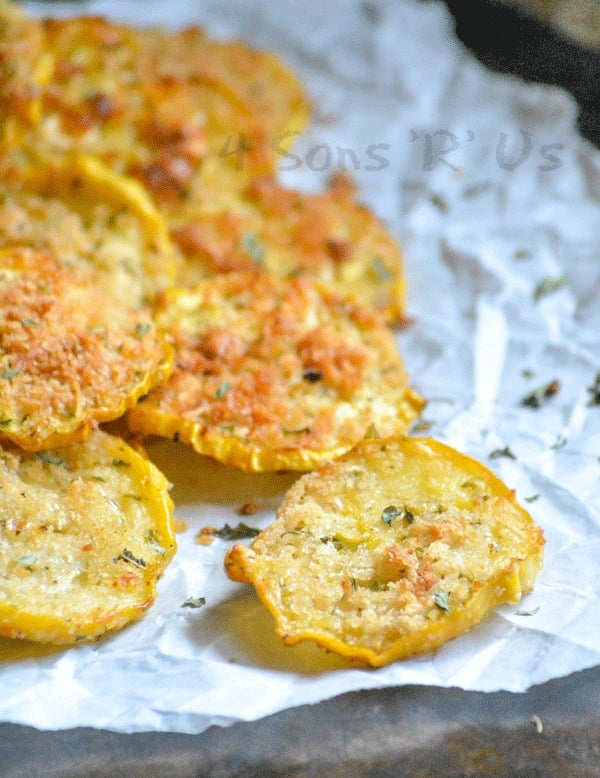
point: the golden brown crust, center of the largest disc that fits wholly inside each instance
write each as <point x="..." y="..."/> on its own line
<point x="202" y="124"/>
<point x="393" y="549"/>
<point x="273" y="374"/>
<point x="328" y="237"/>
<point x="97" y="223"/>
<point x="70" y="356"/>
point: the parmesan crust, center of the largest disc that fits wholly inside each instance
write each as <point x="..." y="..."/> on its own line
<point x="393" y="549"/>
<point x="97" y="223"/>
<point x="85" y="533"/>
<point x="273" y="374"/>
<point x="203" y="125"/>
<point x="328" y="237"/>
<point x="70" y="356"/>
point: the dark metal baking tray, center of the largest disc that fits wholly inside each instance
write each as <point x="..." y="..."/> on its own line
<point x="552" y="730"/>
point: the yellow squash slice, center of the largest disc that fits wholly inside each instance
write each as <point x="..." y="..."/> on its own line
<point x="85" y="533"/>
<point x="100" y="224"/>
<point x="397" y="547"/>
<point x="25" y="67"/>
<point x="203" y="124"/>
<point x="70" y="356"/>
<point x="273" y="374"/>
<point x="329" y="237"/>
<point x="153" y="101"/>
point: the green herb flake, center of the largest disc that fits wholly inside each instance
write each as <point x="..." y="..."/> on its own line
<point x="127" y="556"/>
<point x="525" y="612"/>
<point x="27" y="560"/>
<point x="334" y="540"/>
<point x="222" y="390"/>
<point x="237" y="533"/>
<point x="30" y="322"/>
<point x="439" y="202"/>
<point x="497" y="453"/>
<point x="193" y="602"/>
<point x="441" y="600"/>
<point x="532" y="498"/>
<point x="541" y="395"/>
<point x="382" y="273"/>
<point x="121" y="463"/>
<point x="299" y="431"/>
<point x="142" y="329"/>
<point x="371" y="433"/>
<point x="422" y="425"/>
<point x="522" y="254"/>
<point x="5" y="422"/>
<point x="255" y="249"/>
<point x="150" y="537"/>
<point x="9" y="373"/>
<point x="50" y="459"/>
<point x="550" y="285"/>
<point x="594" y="390"/>
<point x="392" y="512"/>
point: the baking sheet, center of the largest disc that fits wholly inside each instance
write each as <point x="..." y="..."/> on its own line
<point x="495" y="199"/>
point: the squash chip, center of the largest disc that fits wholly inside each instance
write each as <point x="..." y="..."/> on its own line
<point x="99" y="224"/>
<point x="203" y="124"/>
<point x="86" y="531"/>
<point x="274" y="374"/>
<point x="70" y="356"/>
<point x="397" y="547"/>
<point x="155" y="102"/>
<point x="329" y="237"/>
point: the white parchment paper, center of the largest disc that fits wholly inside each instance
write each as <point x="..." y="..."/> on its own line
<point x="495" y="198"/>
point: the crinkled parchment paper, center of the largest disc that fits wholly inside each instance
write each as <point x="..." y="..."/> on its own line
<point x="495" y="197"/>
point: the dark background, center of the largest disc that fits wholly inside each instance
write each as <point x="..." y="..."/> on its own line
<point x="509" y="39"/>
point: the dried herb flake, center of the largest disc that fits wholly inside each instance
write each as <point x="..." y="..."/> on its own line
<point x="50" y="459"/>
<point x="550" y="285"/>
<point x="222" y="390"/>
<point x="27" y="560"/>
<point x="9" y="373"/>
<point x="142" y="329"/>
<point x="237" y="533"/>
<point x="193" y="602"/>
<point x="127" y="556"/>
<point x="381" y="271"/>
<point x="441" y="600"/>
<point x="497" y="453"/>
<point x="254" y="248"/>
<point x="392" y="512"/>
<point x="541" y="395"/>
<point x="594" y="390"/>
